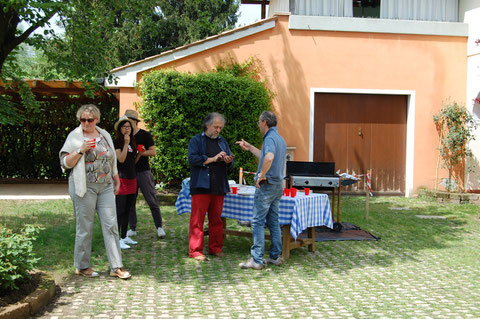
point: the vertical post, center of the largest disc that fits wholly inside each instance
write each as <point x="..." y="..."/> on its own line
<point x="367" y="203"/>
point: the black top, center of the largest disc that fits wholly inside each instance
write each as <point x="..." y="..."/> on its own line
<point x="217" y="170"/>
<point x="127" y="168"/>
<point x="143" y="138"/>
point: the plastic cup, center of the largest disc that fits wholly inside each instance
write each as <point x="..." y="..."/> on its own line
<point x="234" y="189"/>
<point x="307" y="191"/>
<point x="94" y="142"/>
<point x="141" y="148"/>
<point x="287" y="191"/>
<point x="293" y="192"/>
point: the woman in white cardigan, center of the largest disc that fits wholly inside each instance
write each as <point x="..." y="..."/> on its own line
<point x="93" y="183"/>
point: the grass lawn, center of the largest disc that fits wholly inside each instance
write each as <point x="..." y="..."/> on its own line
<point x="421" y="267"/>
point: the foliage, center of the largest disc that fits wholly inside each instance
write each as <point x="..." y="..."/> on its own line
<point x="99" y="35"/>
<point x="16" y="256"/>
<point x="38" y="141"/>
<point x="175" y="104"/>
<point x="455" y="126"/>
<point x="102" y="35"/>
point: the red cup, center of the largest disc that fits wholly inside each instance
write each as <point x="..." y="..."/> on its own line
<point x="293" y="192"/>
<point x="94" y="142"/>
<point x="234" y="189"/>
<point x="287" y="191"/>
<point x="141" y="148"/>
<point x="307" y="191"/>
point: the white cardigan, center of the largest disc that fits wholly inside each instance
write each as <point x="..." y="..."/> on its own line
<point x="75" y="140"/>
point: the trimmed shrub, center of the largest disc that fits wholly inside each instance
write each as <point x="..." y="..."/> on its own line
<point x="175" y="104"/>
<point x="16" y="256"/>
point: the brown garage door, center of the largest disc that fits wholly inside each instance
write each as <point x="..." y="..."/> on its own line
<point x="360" y="132"/>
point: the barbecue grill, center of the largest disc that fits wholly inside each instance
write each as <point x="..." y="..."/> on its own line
<point x="316" y="176"/>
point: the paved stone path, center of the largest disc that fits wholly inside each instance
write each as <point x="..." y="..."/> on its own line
<point x="395" y="277"/>
<point x="432" y="273"/>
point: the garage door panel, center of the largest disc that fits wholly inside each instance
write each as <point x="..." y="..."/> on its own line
<point x="360" y="132"/>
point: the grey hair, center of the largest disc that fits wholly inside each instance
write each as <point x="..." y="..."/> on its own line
<point x="89" y="108"/>
<point x="208" y="120"/>
<point x="269" y="117"/>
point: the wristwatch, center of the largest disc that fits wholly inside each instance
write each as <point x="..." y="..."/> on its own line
<point x="79" y="151"/>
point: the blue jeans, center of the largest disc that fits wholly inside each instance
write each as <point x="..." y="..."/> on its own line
<point x="265" y="207"/>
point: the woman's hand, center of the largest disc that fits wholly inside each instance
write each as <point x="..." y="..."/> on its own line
<point x="116" y="187"/>
<point x="126" y="138"/>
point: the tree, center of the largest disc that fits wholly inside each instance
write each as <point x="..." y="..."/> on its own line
<point x="100" y="35"/>
<point x="35" y="13"/>
<point x="455" y="127"/>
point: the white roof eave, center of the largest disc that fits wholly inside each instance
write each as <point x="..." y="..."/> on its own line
<point x="127" y="76"/>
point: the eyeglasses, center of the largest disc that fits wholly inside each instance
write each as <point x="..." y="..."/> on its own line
<point x="85" y="120"/>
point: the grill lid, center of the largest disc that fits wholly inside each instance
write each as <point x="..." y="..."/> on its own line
<point x="310" y="168"/>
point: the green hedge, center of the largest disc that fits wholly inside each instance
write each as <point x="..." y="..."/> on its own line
<point x="175" y="104"/>
<point x="31" y="150"/>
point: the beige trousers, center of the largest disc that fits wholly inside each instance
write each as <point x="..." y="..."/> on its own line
<point x="98" y="197"/>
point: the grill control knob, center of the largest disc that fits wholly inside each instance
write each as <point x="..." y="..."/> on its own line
<point x="306" y="182"/>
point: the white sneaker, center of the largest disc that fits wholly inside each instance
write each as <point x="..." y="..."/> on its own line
<point x="161" y="232"/>
<point x="123" y="245"/>
<point x="131" y="233"/>
<point x="127" y="240"/>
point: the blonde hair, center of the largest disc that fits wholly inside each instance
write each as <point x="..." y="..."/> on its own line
<point x="89" y="108"/>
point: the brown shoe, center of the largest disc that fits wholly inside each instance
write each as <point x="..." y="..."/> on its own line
<point x="120" y="273"/>
<point x="87" y="272"/>
<point x="200" y="258"/>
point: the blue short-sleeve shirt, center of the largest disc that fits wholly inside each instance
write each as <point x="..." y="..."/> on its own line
<point x="275" y="144"/>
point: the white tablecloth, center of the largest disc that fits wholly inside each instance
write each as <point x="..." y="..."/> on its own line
<point x="300" y="212"/>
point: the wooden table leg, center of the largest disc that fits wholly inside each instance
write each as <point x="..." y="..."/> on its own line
<point x="224" y="221"/>
<point x="333" y="203"/>
<point x="311" y="235"/>
<point x="285" y="242"/>
<point x="338" y="203"/>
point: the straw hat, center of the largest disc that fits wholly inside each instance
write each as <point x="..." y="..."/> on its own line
<point x="132" y="114"/>
<point x="121" y="120"/>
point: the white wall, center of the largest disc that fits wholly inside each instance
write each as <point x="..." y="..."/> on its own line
<point x="472" y="17"/>
<point x="466" y="5"/>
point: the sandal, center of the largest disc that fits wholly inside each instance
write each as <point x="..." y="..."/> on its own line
<point x="87" y="272"/>
<point x="120" y="273"/>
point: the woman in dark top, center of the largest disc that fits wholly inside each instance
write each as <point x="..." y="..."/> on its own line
<point x="126" y="151"/>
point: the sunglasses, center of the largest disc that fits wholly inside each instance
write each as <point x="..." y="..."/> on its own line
<point x="85" y="120"/>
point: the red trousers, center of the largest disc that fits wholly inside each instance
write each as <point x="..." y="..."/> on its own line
<point x="201" y="204"/>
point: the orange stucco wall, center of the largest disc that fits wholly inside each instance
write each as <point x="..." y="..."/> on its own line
<point x="295" y="61"/>
<point x="129" y="99"/>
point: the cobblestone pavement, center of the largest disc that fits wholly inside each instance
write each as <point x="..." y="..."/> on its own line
<point x="428" y="274"/>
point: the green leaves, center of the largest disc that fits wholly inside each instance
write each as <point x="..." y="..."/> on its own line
<point x="455" y="126"/>
<point x="16" y="255"/>
<point x="175" y="104"/>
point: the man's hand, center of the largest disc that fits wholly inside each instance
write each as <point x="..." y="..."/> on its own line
<point x="228" y="159"/>
<point x="260" y="177"/>
<point x="244" y="145"/>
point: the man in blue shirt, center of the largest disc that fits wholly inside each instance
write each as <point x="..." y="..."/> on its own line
<point x="268" y="181"/>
